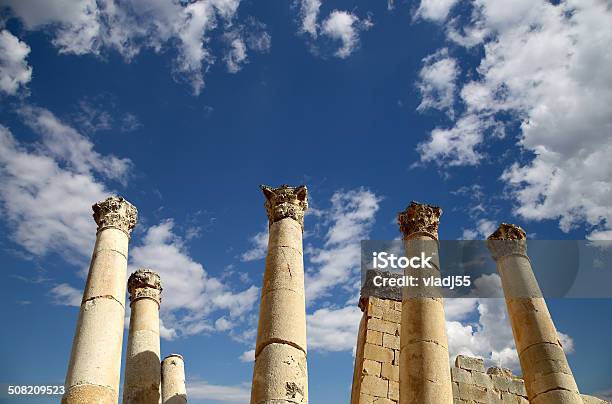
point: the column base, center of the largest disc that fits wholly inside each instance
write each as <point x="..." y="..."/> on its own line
<point x="90" y="394"/>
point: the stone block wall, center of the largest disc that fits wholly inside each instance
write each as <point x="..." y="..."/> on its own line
<point x="472" y="384"/>
<point x="376" y="374"/>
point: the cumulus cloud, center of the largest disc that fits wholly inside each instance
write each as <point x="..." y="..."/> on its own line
<point x="50" y="185"/>
<point x="455" y="146"/>
<point x="435" y="10"/>
<point x="345" y="27"/>
<point x="236" y="55"/>
<point x="542" y="70"/>
<point x="309" y="14"/>
<point x="339" y="26"/>
<point x="95" y="27"/>
<point x="333" y="329"/>
<point x="199" y="389"/>
<point x="14" y="69"/>
<point x="484" y="228"/>
<point x="247" y="356"/>
<point x="437" y="82"/>
<point x="191" y="296"/>
<point x="68" y="146"/>
<point x="66" y="295"/>
<point x="350" y="219"/>
<point x="259" y="247"/>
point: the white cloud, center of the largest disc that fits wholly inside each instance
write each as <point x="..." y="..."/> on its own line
<point x="345" y="27"/>
<point x="247" y="356"/>
<point x="237" y="54"/>
<point x="14" y="69"/>
<point x="223" y="324"/>
<point x="66" y="295"/>
<point x="50" y="186"/>
<point x="437" y="82"/>
<point x="543" y="65"/>
<point x="455" y="146"/>
<point x="435" y="10"/>
<point x="259" y="247"/>
<point x="309" y="13"/>
<point x="351" y="217"/>
<point x="199" y="389"/>
<point x="96" y="27"/>
<point x="332" y="329"/>
<point x="339" y="25"/>
<point x="490" y="337"/>
<point x="65" y="144"/>
<point x="484" y="228"/>
<point x="191" y="296"/>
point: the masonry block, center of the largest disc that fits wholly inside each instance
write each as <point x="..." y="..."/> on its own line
<point x="468" y="363"/>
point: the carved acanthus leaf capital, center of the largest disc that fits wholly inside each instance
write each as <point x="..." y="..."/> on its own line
<point x="508" y="239"/>
<point x="145" y="283"/>
<point x="419" y="218"/>
<point x="115" y="212"/>
<point x="286" y="201"/>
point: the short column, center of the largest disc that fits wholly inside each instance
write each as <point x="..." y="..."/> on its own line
<point x="173" y="380"/>
<point x="142" y="371"/>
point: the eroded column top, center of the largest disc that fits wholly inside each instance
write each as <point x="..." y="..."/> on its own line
<point x="145" y="284"/>
<point x="115" y="212"/>
<point x="174" y="355"/>
<point x="419" y="218"/>
<point x="508" y="239"/>
<point x="286" y="201"/>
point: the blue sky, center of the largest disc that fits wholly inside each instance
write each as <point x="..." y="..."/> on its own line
<point x="495" y="114"/>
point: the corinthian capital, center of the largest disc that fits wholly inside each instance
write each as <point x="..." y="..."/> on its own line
<point x="286" y="201"/>
<point x="419" y="218"/>
<point x="145" y="283"/>
<point x="115" y="212"/>
<point x="508" y="239"/>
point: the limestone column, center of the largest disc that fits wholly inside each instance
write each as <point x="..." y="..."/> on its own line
<point x="95" y="361"/>
<point x="142" y="371"/>
<point x="424" y="360"/>
<point x="280" y="374"/>
<point x="173" y="380"/>
<point x="548" y="377"/>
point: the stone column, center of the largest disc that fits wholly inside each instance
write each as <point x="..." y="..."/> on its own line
<point x="173" y="380"/>
<point x="95" y="362"/>
<point x="142" y="371"/>
<point x="424" y="360"/>
<point x="280" y="374"/>
<point x="548" y="377"/>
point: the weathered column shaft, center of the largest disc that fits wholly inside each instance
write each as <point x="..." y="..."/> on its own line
<point x="280" y="372"/>
<point x="173" y="380"/>
<point x="424" y="359"/>
<point x="548" y="377"/>
<point x="142" y="363"/>
<point x="95" y="361"/>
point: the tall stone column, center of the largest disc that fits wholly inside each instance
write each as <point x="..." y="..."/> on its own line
<point x="548" y="377"/>
<point x="142" y="371"/>
<point x="424" y="360"/>
<point x="173" y="380"/>
<point x="280" y="373"/>
<point x="95" y="362"/>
